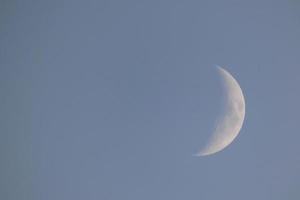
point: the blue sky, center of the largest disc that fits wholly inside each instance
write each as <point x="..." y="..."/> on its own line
<point x="110" y="99"/>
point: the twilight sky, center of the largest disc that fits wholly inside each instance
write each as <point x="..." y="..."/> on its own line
<point x="109" y="99"/>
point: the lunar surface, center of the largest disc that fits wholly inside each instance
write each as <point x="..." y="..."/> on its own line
<point x="231" y="121"/>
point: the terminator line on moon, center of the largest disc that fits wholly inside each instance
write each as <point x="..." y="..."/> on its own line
<point x="231" y="122"/>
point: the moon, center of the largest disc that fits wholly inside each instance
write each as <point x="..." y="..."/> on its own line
<point x="231" y="121"/>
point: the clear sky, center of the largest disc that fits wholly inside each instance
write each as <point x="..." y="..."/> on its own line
<point x="109" y="99"/>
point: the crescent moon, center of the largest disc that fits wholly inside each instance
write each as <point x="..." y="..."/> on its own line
<point x="230" y="123"/>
